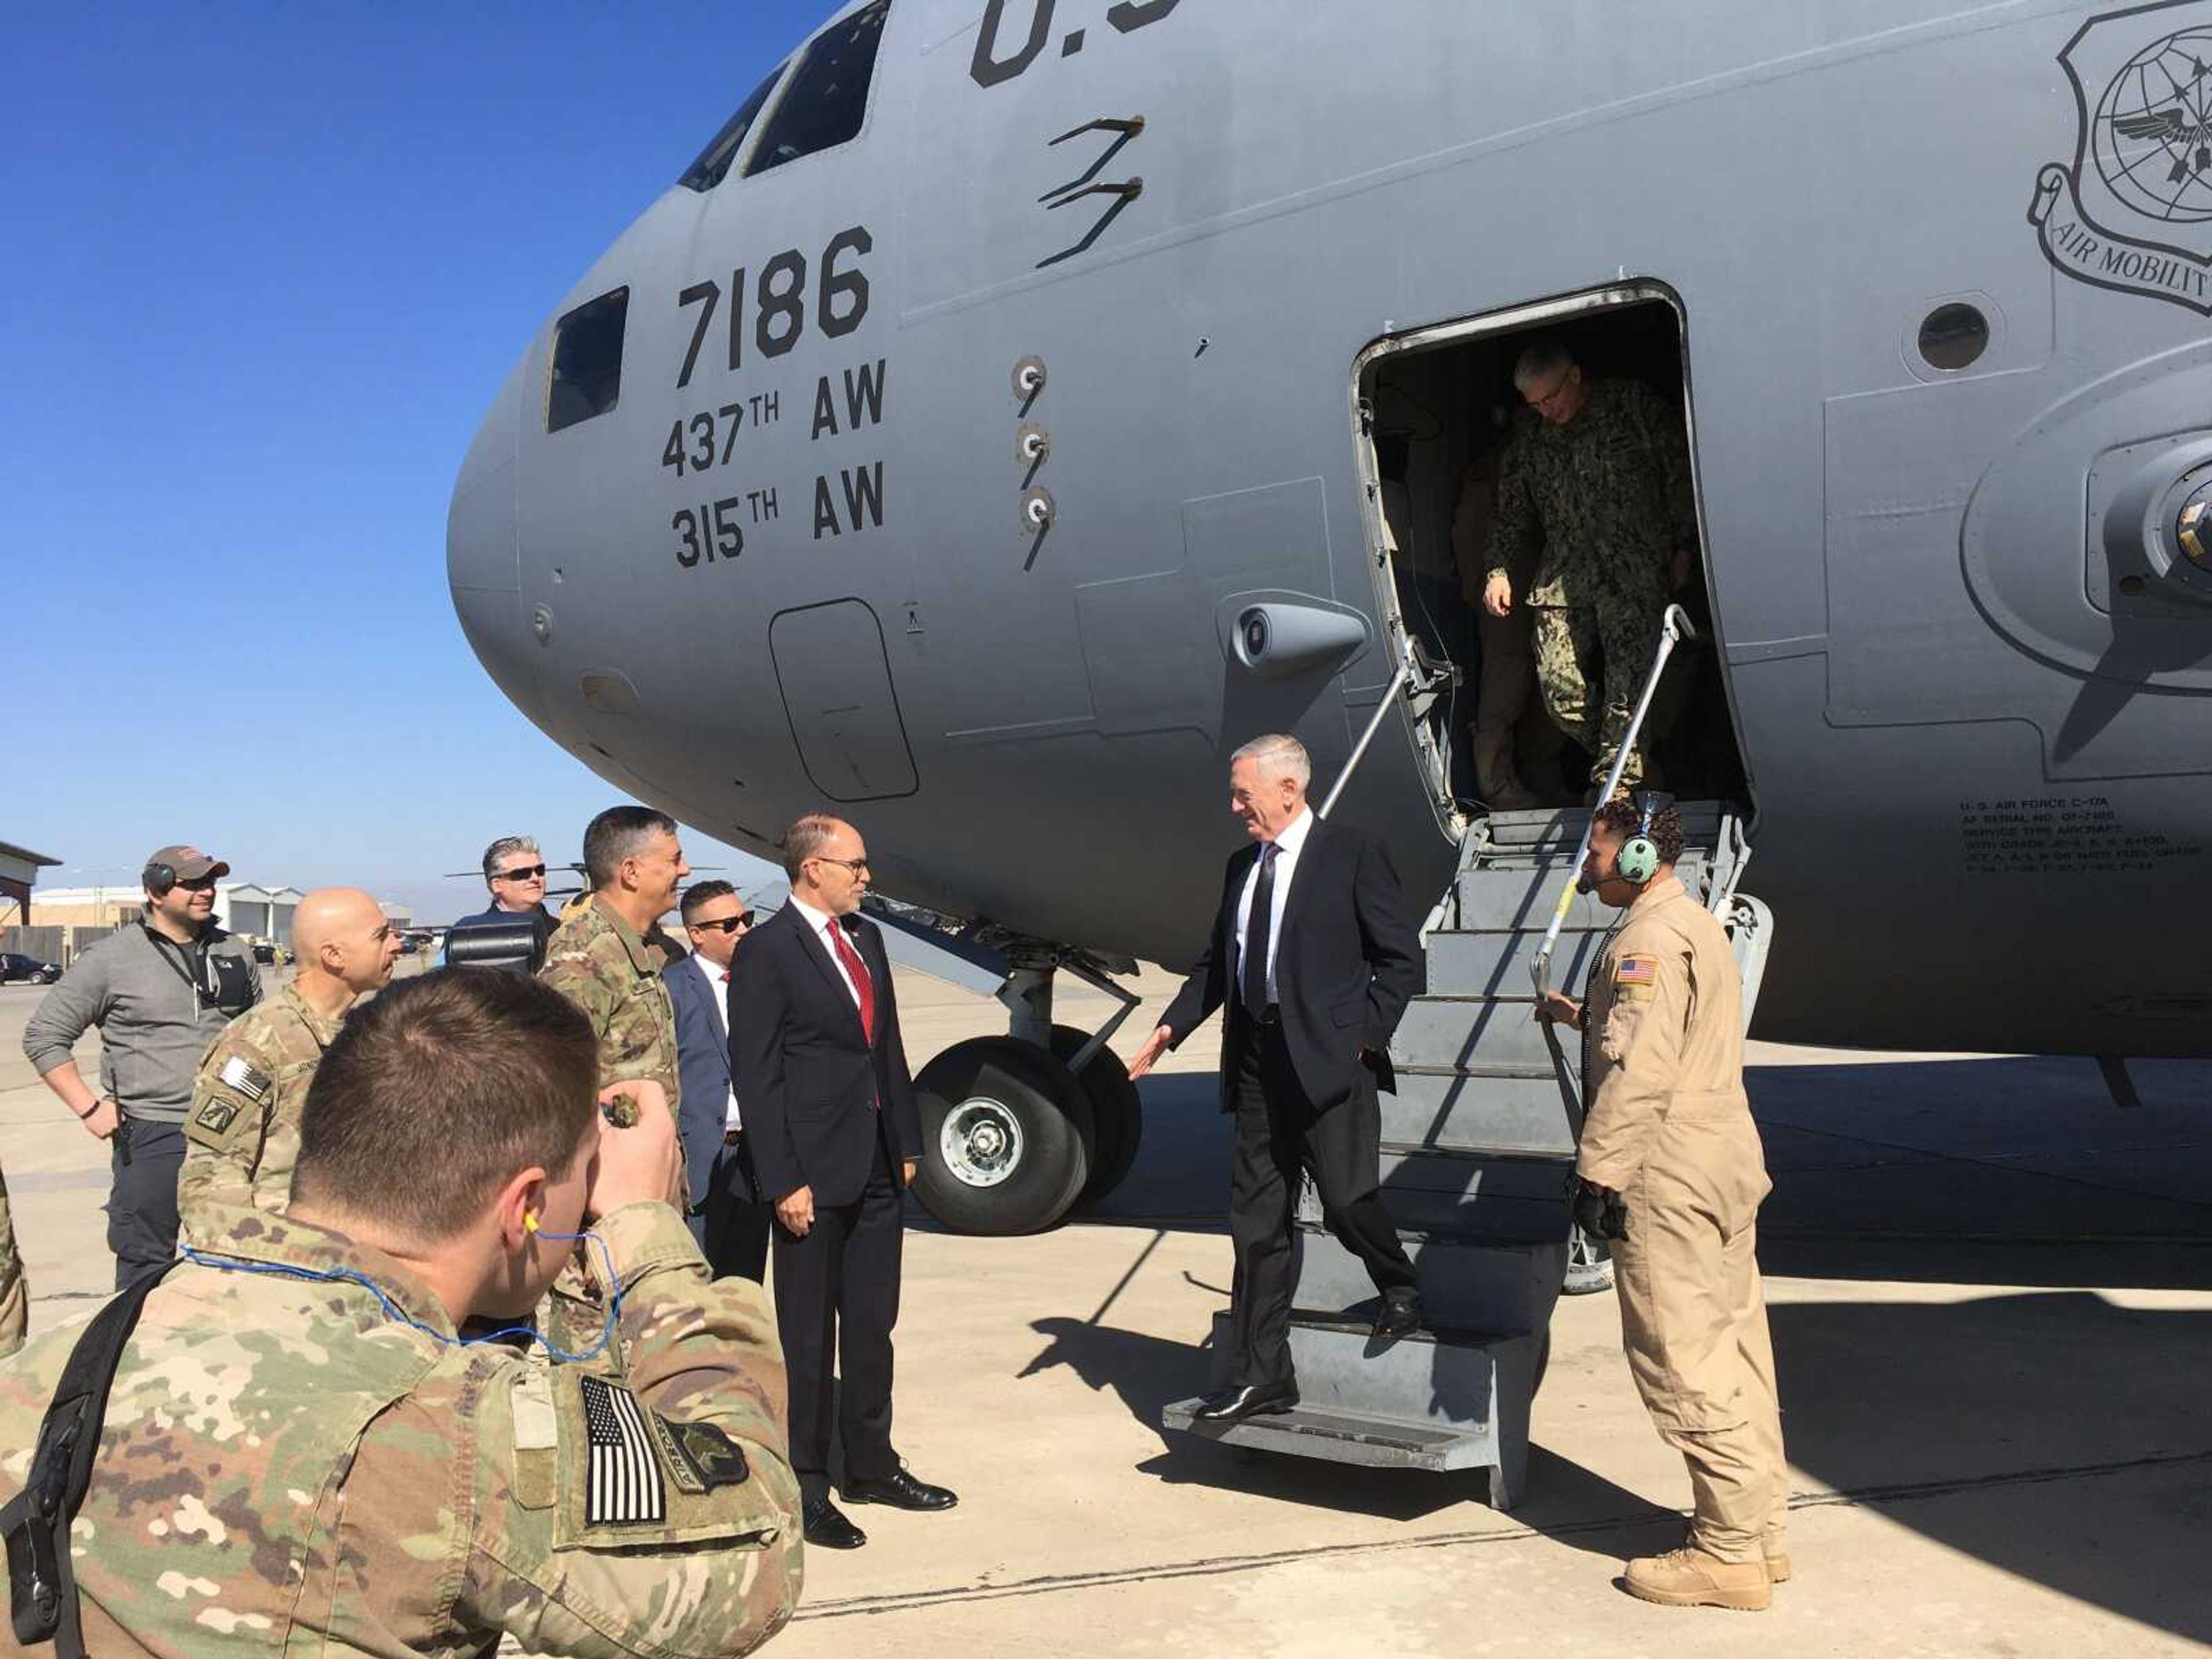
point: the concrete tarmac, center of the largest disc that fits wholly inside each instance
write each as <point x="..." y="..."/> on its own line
<point x="1991" y="1295"/>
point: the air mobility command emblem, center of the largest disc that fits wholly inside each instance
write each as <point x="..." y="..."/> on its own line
<point x="2133" y="210"/>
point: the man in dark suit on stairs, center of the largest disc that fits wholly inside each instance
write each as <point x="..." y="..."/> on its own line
<point x="829" y="1111"/>
<point x="729" y="1215"/>
<point x="1315" y="958"/>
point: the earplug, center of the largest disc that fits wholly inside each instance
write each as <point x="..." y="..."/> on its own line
<point x="529" y="1220"/>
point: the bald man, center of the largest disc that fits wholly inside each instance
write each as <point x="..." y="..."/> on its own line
<point x="242" y="1135"/>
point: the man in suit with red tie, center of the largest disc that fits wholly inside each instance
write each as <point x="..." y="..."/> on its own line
<point x="1314" y="957"/>
<point x="729" y="1217"/>
<point x="818" y="1065"/>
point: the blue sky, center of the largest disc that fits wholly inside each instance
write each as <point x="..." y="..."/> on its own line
<point x="269" y="265"/>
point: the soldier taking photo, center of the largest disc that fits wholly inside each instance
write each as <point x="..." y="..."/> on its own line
<point x="302" y="1452"/>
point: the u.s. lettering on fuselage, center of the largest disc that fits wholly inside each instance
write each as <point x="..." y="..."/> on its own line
<point x="763" y="312"/>
<point x="994" y="37"/>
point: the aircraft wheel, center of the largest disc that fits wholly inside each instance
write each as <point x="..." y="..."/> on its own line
<point x="1116" y="1114"/>
<point x="1006" y="1138"/>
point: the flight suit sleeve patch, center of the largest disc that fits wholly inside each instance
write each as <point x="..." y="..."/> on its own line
<point x="1636" y="978"/>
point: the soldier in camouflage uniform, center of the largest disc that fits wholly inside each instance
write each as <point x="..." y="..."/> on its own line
<point x="15" y="1296"/>
<point x="295" y="1461"/>
<point x="1602" y="480"/>
<point x="599" y="960"/>
<point x="243" y="1135"/>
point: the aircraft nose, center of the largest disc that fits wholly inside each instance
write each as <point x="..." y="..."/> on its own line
<point x="481" y="565"/>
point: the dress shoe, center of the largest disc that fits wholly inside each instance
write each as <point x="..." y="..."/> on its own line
<point x="1689" y="1577"/>
<point x="1401" y="1315"/>
<point x="1235" y="1405"/>
<point x="900" y="1490"/>
<point x="826" y="1526"/>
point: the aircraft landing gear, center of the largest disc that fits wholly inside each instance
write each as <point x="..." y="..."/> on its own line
<point x="1017" y="1130"/>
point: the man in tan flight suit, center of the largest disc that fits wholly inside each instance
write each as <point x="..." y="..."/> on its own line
<point x="243" y="1135"/>
<point x="1672" y="1170"/>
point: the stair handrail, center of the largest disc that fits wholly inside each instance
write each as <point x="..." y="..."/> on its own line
<point x="1675" y="626"/>
<point x="1360" y="750"/>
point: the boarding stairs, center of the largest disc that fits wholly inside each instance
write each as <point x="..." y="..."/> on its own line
<point x="1478" y="1147"/>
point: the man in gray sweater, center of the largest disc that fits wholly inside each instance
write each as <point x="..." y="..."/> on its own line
<point x="160" y="991"/>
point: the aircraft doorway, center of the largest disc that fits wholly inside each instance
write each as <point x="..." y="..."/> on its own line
<point x="1438" y="412"/>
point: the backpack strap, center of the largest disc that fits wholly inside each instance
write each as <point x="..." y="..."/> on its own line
<point x="41" y="1581"/>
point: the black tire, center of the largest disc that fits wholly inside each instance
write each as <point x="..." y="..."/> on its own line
<point x="1008" y="1084"/>
<point x="1116" y="1114"/>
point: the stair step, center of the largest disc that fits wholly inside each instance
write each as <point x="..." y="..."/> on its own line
<point x="1563" y="825"/>
<point x="1342" y="1436"/>
<point x="1439" y="1399"/>
<point x="1514" y="894"/>
<point x="1464" y="1285"/>
<point x="1497" y="960"/>
<point x="1471" y="1196"/>
<point x="1450" y="1032"/>
<point x="1519" y="1114"/>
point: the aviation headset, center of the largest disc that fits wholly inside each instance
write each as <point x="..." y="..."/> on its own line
<point x="1639" y="854"/>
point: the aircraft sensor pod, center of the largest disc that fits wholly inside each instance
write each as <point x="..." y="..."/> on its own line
<point x="1278" y="639"/>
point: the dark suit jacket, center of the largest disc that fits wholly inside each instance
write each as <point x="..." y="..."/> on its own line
<point x="807" y="1079"/>
<point x="1346" y="963"/>
<point x="703" y="1057"/>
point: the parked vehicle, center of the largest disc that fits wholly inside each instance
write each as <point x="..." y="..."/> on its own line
<point x="14" y="967"/>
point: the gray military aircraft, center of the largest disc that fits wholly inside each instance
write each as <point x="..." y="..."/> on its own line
<point x="995" y="425"/>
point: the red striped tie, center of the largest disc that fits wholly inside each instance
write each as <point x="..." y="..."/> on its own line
<point x="861" y="982"/>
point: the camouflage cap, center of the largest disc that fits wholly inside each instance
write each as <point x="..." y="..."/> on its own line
<point x="188" y="863"/>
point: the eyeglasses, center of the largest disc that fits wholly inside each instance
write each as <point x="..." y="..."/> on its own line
<point x="727" y="924"/>
<point x="520" y="872"/>
<point x="855" y="866"/>
<point x="1543" y="403"/>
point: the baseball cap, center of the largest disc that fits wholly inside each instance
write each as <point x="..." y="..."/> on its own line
<point x="189" y="862"/>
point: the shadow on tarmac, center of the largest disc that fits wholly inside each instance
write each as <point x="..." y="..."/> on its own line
<point x="2052" y="1434"/>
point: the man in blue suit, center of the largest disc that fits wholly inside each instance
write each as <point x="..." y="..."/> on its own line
<point x="729" y="1216"/>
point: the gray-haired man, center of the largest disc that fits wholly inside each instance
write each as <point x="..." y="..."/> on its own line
<point x="1316" y="959"/>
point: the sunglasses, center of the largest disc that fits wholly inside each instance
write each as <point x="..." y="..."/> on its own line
<point x="196" y="884"/>
<point x="727" y="924"/>
<point x="520" y="872"/>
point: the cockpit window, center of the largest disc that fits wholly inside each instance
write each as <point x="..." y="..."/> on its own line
<point x="714" y="162"/>
<point x="829" y="92"/>
<point x="588" y="358"/>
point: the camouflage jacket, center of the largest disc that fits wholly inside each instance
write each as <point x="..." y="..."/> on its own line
<point x="14" y="1297"/>
<point x="1606" y="497"/>
<point x="599" y="963"/>
<point x="242" y="1137"/>
<point x="293" y="1464"/>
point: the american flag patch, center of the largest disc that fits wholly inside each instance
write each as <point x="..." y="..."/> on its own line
<point x="237" y="1073"/>
<point x="622" y="1482"/>
<point x="1637" y="970"/>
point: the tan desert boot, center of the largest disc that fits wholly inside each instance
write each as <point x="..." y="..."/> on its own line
<point x="1691" y="1578"/>
<point x="1777" y="1564"/>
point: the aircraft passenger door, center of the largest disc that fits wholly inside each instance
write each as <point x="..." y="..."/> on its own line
<point x="835" y="678"/>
